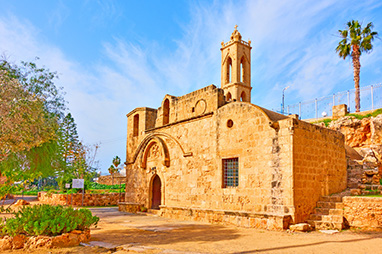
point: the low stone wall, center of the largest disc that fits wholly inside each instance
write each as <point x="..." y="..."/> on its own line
<point x="236" y="218"/>
<point x="71" y="239"/>
<point x="129" y="207"/>
<point x="363" y="212"/>
<point x="112" y="179"/>
<point x="89" y="199"/>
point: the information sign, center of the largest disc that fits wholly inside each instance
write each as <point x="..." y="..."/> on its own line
<point x="78" y="183"/>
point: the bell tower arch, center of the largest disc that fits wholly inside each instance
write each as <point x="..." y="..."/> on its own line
<point x="236" y="68"/>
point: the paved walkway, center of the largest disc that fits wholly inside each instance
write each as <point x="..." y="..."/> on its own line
<point x="120" y="232"/>
<point x="126" y="232"/>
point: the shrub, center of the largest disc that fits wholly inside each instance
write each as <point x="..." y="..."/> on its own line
<point x="48" y="220"/>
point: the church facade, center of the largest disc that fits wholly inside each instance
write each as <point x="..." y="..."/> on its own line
<point x="212" y="155"/>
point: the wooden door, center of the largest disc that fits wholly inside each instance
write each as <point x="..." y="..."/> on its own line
<point x="156" y="193"/>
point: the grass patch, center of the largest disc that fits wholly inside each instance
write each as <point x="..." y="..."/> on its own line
<point x="373" y="114"/>
<point x="325" y="121"/>
<point x="370" y="196"/>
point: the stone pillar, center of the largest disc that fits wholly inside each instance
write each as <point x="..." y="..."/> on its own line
<point x="339" y="111"/>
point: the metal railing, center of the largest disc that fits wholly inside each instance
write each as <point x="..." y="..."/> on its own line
<point x="371" y="98"/>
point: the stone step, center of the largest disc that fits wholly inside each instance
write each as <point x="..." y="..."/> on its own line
<point x="331" y="199"/>
<point x="319" y="225"/>
<point x="332" y="218"/>
<point x="325" y="204"/>
<point x="154" y="211"/>
<point x="315" y="216"/>
<point x="321" y="210"/>
<point x="333" y="205"/>
<point x="336" y="211"/>
<point x="312" y="223"/>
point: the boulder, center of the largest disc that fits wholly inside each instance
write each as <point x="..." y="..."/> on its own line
<point x="35" y="242"/>
<point x="21" y="202"/>
<point x="6" y="243"/>
<point x="355" y="192"/>
<point x="18" y="241"/>
<point x="301" y="227"/>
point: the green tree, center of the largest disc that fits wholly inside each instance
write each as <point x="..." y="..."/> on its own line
<point x="30" y="108"/>
<point x="114" y="168"/>
<point x="356" y="40"/>
<point x="77" y="159"/>
<point x="25" y="123"/>
<point x="116" y="161"/>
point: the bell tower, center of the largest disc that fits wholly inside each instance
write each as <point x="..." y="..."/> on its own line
<point x="236" y="68"/>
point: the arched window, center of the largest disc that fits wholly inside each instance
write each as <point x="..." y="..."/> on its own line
<point x="243" y="96"/>
<point x="166" y="112"/>
<point x="229" y="70"/>
<point x="136" y="125"/>
<point x="229" y="96"/>
<point x="242" y="69"/>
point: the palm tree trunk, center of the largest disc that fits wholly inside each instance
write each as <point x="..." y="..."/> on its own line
<point x="357" y="68"/>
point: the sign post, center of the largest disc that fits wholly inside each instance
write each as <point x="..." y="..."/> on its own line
<point x="67" y="186"/>
<point x="79" y="184"/>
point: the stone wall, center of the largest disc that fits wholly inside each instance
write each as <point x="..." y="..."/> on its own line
<point x="363" y="212"/>
<point x="111" y="180"/>
<point x="196" y="103"/>
<point x="339" y="111"/>
<point x="319" y="166"/>
<point x="89" y="199"/>
<point x="235" y="218"/>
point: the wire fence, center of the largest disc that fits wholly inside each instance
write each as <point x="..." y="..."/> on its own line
<point x="371" y="98"/>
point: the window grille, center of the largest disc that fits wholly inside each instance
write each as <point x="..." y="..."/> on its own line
<point x="231" y="172"/>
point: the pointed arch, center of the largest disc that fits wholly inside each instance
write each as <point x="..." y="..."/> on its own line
<point x="229" y="70"/>
<point x="165" y="153"/>
<point x="242" y="69"/>
<point x="136" y="125"/>
<point x="243" y="96"/>
<point x="142" y="148"/>
<point x="166" y="111"/>
<point x="156" y="193"/>
<point x="229" y="96"/>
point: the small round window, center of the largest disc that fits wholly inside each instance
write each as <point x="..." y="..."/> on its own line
<point x="229" y="123"/>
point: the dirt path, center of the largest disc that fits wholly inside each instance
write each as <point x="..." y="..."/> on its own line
<point x="130" y="233"/>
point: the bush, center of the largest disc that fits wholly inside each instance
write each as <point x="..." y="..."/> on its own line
<point x="48" y="220"/>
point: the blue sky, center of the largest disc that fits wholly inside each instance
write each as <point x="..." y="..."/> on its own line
<point x="114" y="56"/>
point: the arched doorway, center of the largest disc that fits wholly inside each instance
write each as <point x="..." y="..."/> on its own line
<point x="156" y="194"/>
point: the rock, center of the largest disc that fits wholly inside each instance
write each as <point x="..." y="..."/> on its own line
<point x="6" y="243"/>
<point x="35" y="242"/>
<point x="352" y="153"/>
<point x="355" y="192"/>
<point x="18" y="241"/>
<point x="330" y="232"/>
<point x="21" y="202"/>
<point x="376" y="130"/>
<point x="302" y="227"/>
<point x="60" y="241"/>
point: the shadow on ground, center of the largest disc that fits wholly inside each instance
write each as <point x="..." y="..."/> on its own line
<point x="187" y="233"/>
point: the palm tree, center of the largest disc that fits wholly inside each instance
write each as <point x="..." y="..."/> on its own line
<point x="116" y="161"/>
<point x="112" y="170"/>
<point x="356" y="40"/>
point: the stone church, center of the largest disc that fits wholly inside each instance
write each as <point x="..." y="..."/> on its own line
<point x="212" y="155"/>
